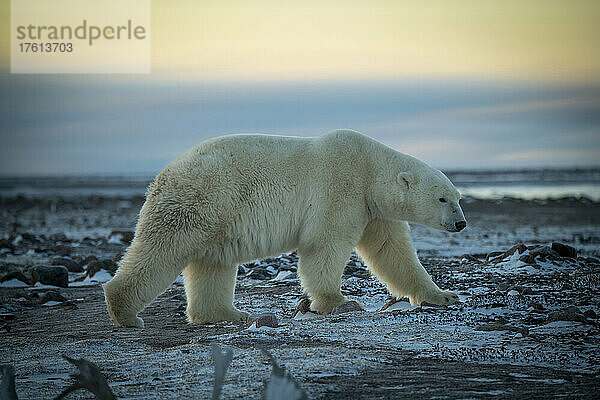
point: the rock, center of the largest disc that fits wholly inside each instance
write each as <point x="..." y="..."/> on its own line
<point x="268" y="319"/>
<point x="570" y="313"/>
<point x="50" y="275"/>
<point x="260" y="274"/>
<point x="97" y="265"/>
<point x="71" y="265"/>
<point x="543" y="252"/>
<point x="564" y="250"/>
<point x="63" y="250"/>
<point x="52" y="295"/>
<point x="536" y="306"/>
<point x="521" y="289"/>
<point x="519" y="248"/>
<point x="469" y="257"/>
<point x="15" y="274"/>
<point x="303" y="306"/>
<point x="493" y="255"/>
<point x="6" y="244"/>
<point x="359" y="272"/>
<point x="349" y="306"/>
<point x="59" y="237"/>
<point x="121" y="237"/>
<point x="501" y="325"/>
<point x="89" y="259"/>
<point x="528" y="258"/>
<point x="590" y="314"/>
<point x="7" y="316"/>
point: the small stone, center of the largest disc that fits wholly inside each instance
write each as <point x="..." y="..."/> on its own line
<point x="51" y="275"/>
<point x="125" y="237"/>
<point x="303" y="306"/>
<point x="7" y="316"/>
<point x="570" y="313"/>
<point x="6" y="244"/>
<point x="269" y="320"/>
<point x="71" y="265"/>
<point x="260" y="274"/>
<point x="564" y="250"/>
<point x="536" y="306"/>
<point x="63" y="250"/>
<point x="590" y="314"/>
<point x="527" y="258"/>
<point x="52" y="295"/>
<point x="15" y="275"/>
<point x="544" y="252"/>
<point x="492" y="255"/>
<point x="518" y="248"/>
<point x="89" y="259"/>
<point x="349" y="306"/>
<point x="97" y="265"/>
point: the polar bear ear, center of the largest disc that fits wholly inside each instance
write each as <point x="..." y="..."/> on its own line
<point x="406" y="178"/>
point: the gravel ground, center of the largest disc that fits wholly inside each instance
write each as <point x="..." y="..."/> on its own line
<point x="527" y="323"/>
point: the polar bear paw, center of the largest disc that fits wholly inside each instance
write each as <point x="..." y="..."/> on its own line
<point x="325" y="304"/>
<point x="437" y="297"/>
<point x="129" y="322"/>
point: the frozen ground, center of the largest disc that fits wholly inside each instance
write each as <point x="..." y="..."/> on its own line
<point x="523" y="328"/>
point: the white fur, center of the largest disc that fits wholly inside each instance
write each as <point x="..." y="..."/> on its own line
<point x="238" y="198"/>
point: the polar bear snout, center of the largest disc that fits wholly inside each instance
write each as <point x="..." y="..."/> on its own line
<point x="460" y="225"/>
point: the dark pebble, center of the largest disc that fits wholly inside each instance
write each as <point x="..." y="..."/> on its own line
<point x="543" y="252"/>
<point x="52" y="295"/>
<point x="124" y="236"/>
<point x="97" y="265"/>
<point x="15" y="275"/>
<point x="303" y="306"/>
<point x="564" y="250"/>
<point x="349" y="306"/>
<point x="51" y="275"/>
<point x="6" y="244"/>
<point x="590" y="314"/>
<point x="71" y="265"/>
<point x="260" y="274"/>
<point x="63" y="250"/>
<point x="268" y="319"/>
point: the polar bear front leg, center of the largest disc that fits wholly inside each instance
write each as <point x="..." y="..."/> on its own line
<point x="320" y="269"/>
<point x="387" y="248"/>
<point x="146" y="270"/>
<point x="209" y="289"/>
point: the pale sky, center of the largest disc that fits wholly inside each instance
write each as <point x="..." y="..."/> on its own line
<point x="357" y="39"/>
<point x="476" y="84"/>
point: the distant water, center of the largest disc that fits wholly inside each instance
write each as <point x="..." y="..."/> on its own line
<point x="519" y="184"/>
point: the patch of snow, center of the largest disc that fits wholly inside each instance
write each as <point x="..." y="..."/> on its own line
<point x="117" y="238"/>
<point x="304" y="316"/>
<point x="13" y="283"/>
<point x="51" y="303"/>
<point x="401" y="306"/>
<point x="282" y="275"/>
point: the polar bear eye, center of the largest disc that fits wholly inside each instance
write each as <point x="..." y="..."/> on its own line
<point x="442" y="200"/>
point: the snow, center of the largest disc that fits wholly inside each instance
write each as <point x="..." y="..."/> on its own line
<point x="51" y="303"/>
<point x="13" y="283"/>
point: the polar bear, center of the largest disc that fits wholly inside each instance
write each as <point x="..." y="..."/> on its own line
<point x="238" y="198"/>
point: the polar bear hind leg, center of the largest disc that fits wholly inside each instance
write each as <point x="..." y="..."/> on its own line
<point x="209" y="289"/>
<point x="387" y="249"/>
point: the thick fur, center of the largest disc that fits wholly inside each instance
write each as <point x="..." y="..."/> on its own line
<point x="243" y="197"/>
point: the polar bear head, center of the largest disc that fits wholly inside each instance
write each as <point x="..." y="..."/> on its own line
<point x="422" y="195"/>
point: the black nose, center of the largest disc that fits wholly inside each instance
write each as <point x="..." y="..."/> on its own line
<point x="460" y="225"/>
